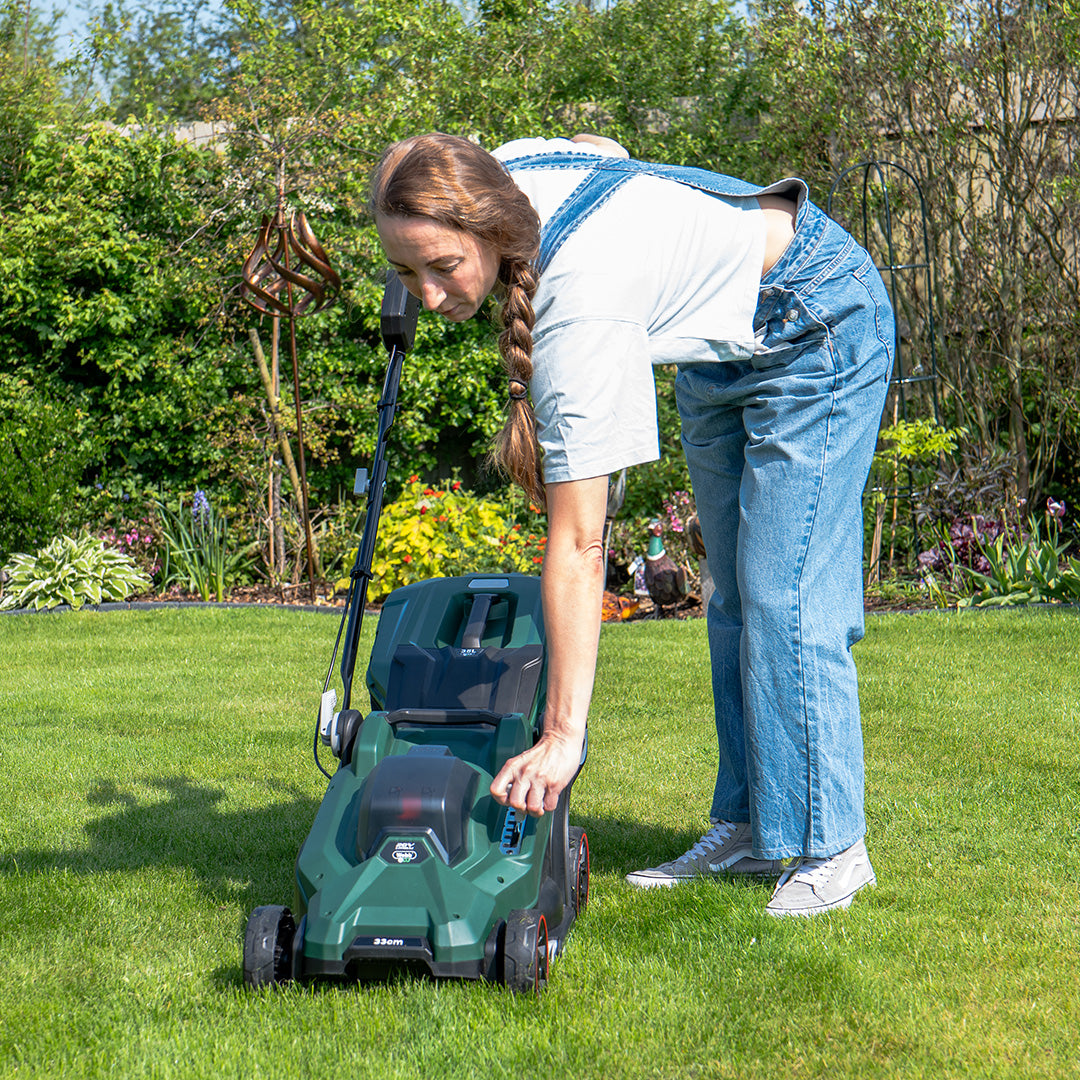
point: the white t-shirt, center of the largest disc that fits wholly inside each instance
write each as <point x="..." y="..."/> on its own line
<point x="661" y="273"/>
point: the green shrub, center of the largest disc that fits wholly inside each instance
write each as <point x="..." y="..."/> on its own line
<point x="441" y="532"/>
<point x="41" y="462"/>
<point x="71" y="572"/>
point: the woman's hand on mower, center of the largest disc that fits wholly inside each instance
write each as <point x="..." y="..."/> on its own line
<point x="533" y="781"/>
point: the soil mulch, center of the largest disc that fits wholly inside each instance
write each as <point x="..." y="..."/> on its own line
<point x="290" y="595"/>
<point x="325" y="597"/>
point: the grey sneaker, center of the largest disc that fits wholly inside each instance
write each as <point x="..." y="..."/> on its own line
<point x="810" y="886"/>
<point x="724" y="849"/>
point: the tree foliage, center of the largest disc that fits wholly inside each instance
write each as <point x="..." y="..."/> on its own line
<point x="171" y="57"/>
<point x="120" y="253"/>
<point x="978" y="103"/>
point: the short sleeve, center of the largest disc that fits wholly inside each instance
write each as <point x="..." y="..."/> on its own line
<point x="594" y="397"/>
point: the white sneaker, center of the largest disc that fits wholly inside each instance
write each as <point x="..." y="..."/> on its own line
<point x="810" y="886"/>
<point x="725" y="849"/>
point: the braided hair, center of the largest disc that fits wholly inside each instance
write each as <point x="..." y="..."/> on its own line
<point x="456" y="183"/>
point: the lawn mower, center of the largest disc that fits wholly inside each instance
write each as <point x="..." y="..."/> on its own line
<point x="410" y="863"/>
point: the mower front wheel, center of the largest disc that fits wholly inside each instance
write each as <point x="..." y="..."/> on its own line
<point x="268" y="946"/>
<point x="525" y="952"/>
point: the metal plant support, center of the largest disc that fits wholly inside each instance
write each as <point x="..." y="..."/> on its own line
<point x="909" y="372"/>
<point x="288" y="275"/>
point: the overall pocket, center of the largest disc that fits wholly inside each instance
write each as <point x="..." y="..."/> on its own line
<point x="784" y="328"/>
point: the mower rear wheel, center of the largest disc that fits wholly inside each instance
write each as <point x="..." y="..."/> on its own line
<point x="268" y="946"/>
<point x="579" y="869"/>
<point x="525" y="952"/>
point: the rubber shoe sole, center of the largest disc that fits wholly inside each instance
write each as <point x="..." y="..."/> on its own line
<point x="657" y="878"/>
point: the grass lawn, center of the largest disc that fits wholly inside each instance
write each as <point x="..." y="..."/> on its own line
<point x="156" y="781"/>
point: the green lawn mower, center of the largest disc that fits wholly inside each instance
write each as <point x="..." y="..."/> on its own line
<point x="410" y="862"/>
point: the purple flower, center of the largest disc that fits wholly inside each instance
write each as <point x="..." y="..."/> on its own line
<point x="932" y="559"/>
<point x="1055" y="509"/>
<point x="200" y="508"/>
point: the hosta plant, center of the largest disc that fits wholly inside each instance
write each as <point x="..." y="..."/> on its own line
<point x="70" y="571"/>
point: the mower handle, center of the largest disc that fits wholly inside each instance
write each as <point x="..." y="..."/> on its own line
<point x="400" y="311"/>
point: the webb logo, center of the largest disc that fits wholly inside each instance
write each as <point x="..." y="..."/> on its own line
<point x="404" y="852"/>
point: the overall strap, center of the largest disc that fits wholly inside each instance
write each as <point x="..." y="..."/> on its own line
<point x="606" y="176"/>
<point x="581" y="203"/>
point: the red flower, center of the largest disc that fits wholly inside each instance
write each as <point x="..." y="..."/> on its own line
<point x="456" y="485"/>
<point x="406" y="558"/>
<point x="414" y="478"/>
<point x="537" y="559"/>
<point x="423" y="509"/>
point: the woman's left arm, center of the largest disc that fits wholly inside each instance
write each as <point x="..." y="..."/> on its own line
<point x="572" y="585"/>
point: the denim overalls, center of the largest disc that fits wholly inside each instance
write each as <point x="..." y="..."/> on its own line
<point x="779" y="447"/>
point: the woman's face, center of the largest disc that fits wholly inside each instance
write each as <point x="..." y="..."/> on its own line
<point x="448" y="270"/>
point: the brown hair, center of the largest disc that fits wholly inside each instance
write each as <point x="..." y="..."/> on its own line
<point x="456" y="183"/>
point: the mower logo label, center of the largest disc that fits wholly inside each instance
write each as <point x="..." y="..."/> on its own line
<point x="404" y="852"/>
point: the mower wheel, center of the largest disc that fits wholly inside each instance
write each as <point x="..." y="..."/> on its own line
<point x="268" y="946"/>
<point x="579" y="869"/>
<point x="525" y="952"/>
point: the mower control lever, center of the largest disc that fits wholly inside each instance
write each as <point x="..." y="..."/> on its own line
<point x="478" y="616"/>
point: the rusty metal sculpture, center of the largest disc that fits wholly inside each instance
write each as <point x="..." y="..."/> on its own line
<point x="267" y="273"/>
<point x="288" y="275"/>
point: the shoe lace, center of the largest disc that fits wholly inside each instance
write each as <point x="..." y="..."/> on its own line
<point x="814" y="871"/>
<point x="712" y="839"/>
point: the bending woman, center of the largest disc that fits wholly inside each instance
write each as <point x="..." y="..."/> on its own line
<point x="783" y="336"/>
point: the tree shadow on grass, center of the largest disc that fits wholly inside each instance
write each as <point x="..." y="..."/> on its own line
<point x="236" y="855"/>
<point x="245" y="857"/>
<point x="620" y="845"/>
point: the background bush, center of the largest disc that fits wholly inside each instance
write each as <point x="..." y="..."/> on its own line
<point x="120" y="255"/>
<point x="42" y="460"/>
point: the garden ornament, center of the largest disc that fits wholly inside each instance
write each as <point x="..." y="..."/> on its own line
<point x="289" y="274"/>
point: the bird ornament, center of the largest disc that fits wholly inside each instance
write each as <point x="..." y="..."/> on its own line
<point x="664" y="579"/>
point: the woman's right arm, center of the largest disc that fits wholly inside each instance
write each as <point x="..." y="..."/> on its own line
<point x="572" y="586"/>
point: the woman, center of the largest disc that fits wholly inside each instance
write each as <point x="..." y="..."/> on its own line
<point x="782" y="331"/>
